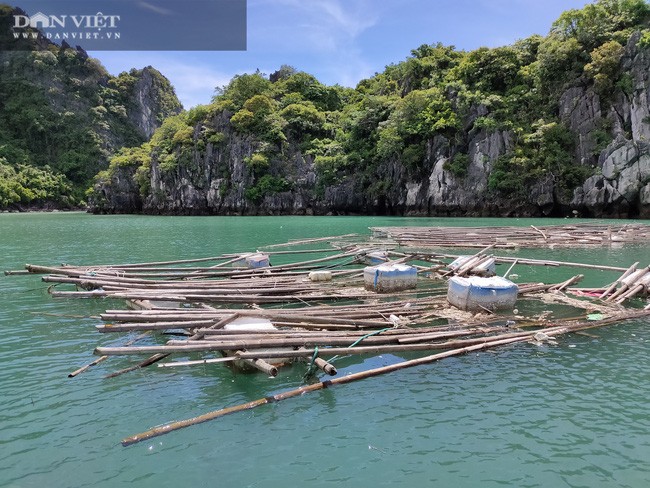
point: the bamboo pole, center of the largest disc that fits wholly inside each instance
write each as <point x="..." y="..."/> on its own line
<point x="543" y="262"/>
<point x="289" y="353"/>
<point x="631" y="293"/>
<point x="220" y="265"/>
<point x="571" y="281"/>
<point x="162" y="263"/>
<point x="314" y="261"/>
<point x="469" y="265"/>
<point x="153" y="326"/>
<point x="107" y="291"/>
<point x="157" y="431"/>
<point x="475" y="266"/>
<point x="471" y="259"/>
<point x="613" y="286"/>
<point x="308" y="241"/>
<point x="298" y="251"/>
<point x="218" y="325"/>
<point x="641" y="285"/>
<point x="543" y="235"/>
<point x="260" y="281"/>
<point x="85" y="368"/>
<point x="349" y="310"/>
<point x="36" y="269"/>
<point x="322" y="340"/>
<point x="262" y="366"/>
<point x="175" y="364"/>
<point x="326" y="367"/>
<point x="244" y="299"/>
<point x="507" y="273"/>
<point x="143" y="364"/>
<point x="627" y="283"/>
<point x="157" y="357"/>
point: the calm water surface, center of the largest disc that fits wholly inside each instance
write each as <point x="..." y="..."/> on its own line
<point x="572" y="415"/>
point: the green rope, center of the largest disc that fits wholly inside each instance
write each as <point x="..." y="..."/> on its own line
<point x="361" y="339"/>
<point x="311" y="369"/>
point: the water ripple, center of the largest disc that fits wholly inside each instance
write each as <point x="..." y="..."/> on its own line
<point x="522" y="416"/>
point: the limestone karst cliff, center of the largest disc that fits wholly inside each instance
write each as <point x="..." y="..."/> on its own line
<point x="555" y="125"/>
<point x="62" y="116"/>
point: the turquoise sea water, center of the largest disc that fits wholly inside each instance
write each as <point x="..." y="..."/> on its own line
<point x="573" y="415"/>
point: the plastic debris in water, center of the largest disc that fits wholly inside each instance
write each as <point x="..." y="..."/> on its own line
<point x="595" y="316"/>
<point x="541" y="338"/>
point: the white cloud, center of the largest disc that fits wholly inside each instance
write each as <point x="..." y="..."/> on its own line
<point x="310" y="25"/>
<point x="350" y="22"/>
<point x="327" y="31"/>
<point x="318" y="36"/>
<point x="194" y="84"/>
<point x="155" y="8"/>
<point x="342" y="19"/>
<point x="193" y="80"/>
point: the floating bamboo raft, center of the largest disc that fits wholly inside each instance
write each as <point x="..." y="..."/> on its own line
<point x="315" y="322"/>
<point x="515" y="237"/>
<point x="454" y="348"/>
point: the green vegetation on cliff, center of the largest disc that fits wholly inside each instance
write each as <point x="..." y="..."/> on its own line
<point x="62" y="116"/>
<point x="438" y="99"/>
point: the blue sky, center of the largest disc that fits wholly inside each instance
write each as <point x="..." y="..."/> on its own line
<point x="344" y="41"/>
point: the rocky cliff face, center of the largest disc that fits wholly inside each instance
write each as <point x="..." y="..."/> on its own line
<point x="443" y="193"/>
<point x="218" y="177"/>
<point x="63" y="113"/>
<point x="622" y="186"/>
<point x="151" y="99"/>
<point x="612" y="142"/>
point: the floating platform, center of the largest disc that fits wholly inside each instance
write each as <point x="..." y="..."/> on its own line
<point x="478" y="294"/>
<point x="331" y="306"/>
<point x="390" y="277"/>
<point x="512" y="237"/>
<point x="254" y="261"/>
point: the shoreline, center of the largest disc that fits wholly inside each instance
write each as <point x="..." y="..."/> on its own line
<point x="44" y="210"/>
<point x="44" y="206"/>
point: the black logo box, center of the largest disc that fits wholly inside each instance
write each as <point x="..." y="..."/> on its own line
<point x="126" y="25"/>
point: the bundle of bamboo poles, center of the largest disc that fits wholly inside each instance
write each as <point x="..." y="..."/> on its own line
<point x="202" y="325"/>
<point x="286" y="283"/>
<point x="586" y="234"/>
<point x="399" y="321"/>
<point x="630" y="284"/>
<point x="200" y="300"/>
<point x="455" y="348"/>
<point x="225" y="267"/>
<point x="362" y="328"/>
<point x="270" y="288"/>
